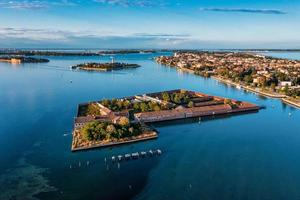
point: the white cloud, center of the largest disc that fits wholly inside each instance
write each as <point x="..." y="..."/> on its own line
<point x="245" y="10"/>
<point x="131" y="3"/>
<point x="35" y="4"/>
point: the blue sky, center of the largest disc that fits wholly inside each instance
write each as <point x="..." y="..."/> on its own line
<point x="150" y="23"/>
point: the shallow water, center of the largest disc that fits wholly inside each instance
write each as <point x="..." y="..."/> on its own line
<point x="252" y="156"/>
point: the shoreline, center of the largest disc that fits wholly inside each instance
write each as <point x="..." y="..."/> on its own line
<point x="104" y="67"/>
<point x="153" y="136"/>
<point x="291" y="103"/>
<point x="285" y="99"/>
<point x="282" y="97"/>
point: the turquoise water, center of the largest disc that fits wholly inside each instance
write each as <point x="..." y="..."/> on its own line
<point x="253" y="156"/>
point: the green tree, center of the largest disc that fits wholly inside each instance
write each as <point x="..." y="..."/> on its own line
<point x="126" y="104"/>
<point x="191" y="104"/>
<point x="120" y="104"/>
<point x="144" y="107"/>
<point x="248" y="79"/>
<point x="177" y="99"/>
<point x="156" y="108"/>
<point x="165" y="96"/>
<point x="227" y="101"/>
<point x="136" y="106"/>
<point x="105" y="102"/>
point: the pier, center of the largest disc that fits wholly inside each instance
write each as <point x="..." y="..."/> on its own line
<point x="136" y="155"/>
<point x="117" y="159"/>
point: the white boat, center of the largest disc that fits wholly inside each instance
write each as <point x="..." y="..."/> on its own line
<point x="159" y="152"/>
<point x="113" y="158"/>
<point x="120" y="157"/>
<point x="127" y="156"/>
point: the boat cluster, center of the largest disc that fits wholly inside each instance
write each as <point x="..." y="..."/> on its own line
<point x="136" y="155"/>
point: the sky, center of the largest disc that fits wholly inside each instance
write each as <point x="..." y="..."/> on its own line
<point x="151" y="24"/>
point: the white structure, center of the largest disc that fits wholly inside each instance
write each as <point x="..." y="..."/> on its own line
<point x="284" y="83"/>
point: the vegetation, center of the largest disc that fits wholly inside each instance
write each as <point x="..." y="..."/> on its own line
<point x="24" y="59"/>
<point x="97" y="131"/>
<point x="89" y="109"/>
<point x="116" y="105"/>
<point x="232" y="105"/>
<point x="119" y="105"/>
<point x="182" y="97"/>
<point x="191" y="104"/>
<point x="104" y="66"/>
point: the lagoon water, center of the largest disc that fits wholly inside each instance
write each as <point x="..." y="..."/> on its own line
<point x="251" y="156"/>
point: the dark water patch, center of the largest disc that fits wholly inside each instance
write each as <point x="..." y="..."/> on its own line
<point x="24" y="181"/>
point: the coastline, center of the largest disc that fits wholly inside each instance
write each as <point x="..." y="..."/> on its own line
<point x="282" y="97"/>
<point x="76" y="136"/>
<point x="290" y="102"/>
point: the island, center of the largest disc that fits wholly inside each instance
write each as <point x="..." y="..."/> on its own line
<point x="104" y="66"/>
<point x="127" y="51"/>
<point x="22" y="59"/>
<point x="265" y="75"/>
<point x="71" y="52"/>
<point x="125" y="120"/>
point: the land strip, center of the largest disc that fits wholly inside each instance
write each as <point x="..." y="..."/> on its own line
<point x="266" y="76"/>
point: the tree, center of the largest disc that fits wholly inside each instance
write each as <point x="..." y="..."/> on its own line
<point x="227" y="101"/>
<point x="120" y="104"/>
<point x="105" y="102"/>
<point x="87" y="132"/>
<point x="126" y="104"/>
<point x="156" y="108"/>
<point x="144" y="107"/>
<point x="124" y="121"/>
<point x="248" y="79"/>
<point x="177" y="99"/>
<point x="191" y="104"/>
<point x="136" y="106"/>
<point x="111" y="129"/>
<point x="165" y="96"/>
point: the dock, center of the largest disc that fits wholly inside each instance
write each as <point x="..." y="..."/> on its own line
<point x="117" y="159"/>
<point x="136" y="155"/>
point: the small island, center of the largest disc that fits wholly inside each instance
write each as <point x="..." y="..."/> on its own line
<point x="120" y="121"/>
<point x="104" y="66"/>
<point x="22" y="59"/>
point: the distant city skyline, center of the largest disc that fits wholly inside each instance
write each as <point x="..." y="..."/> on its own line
<point x="195" y="24"/>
